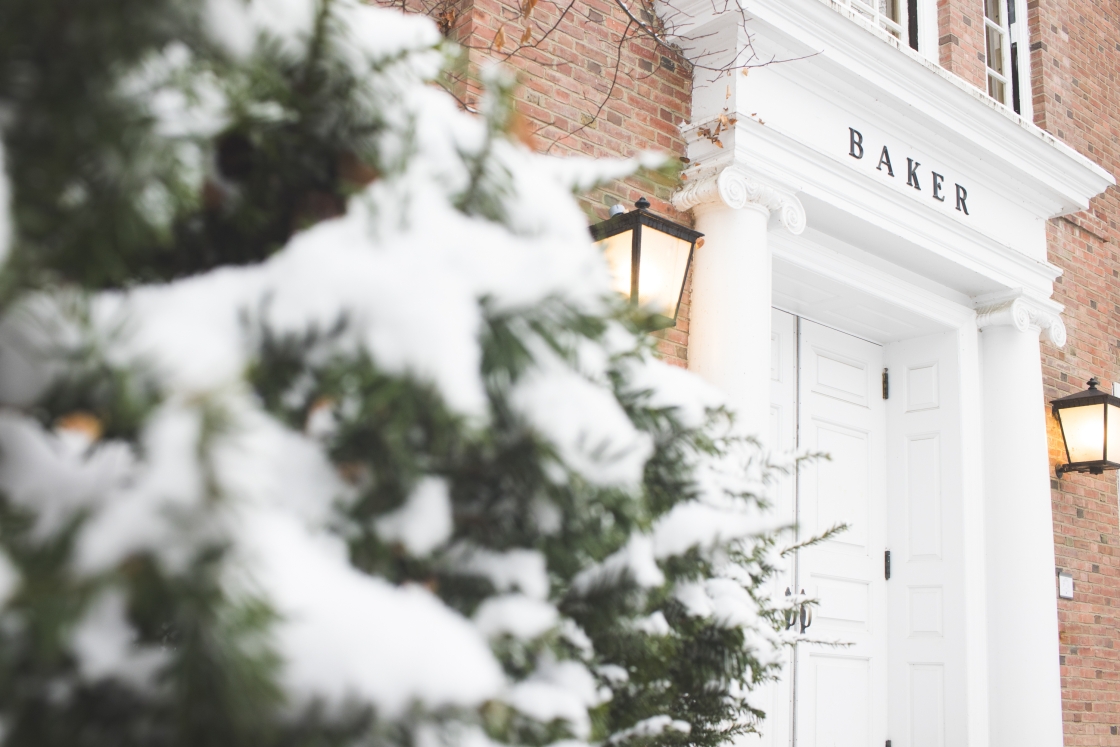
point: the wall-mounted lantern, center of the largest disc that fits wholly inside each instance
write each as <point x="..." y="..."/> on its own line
<point x="1090" y="422"/>
<point x="649" y="258"/>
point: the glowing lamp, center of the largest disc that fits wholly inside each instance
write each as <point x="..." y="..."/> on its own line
<point x="1090" y="422"/>
<point x="648" y="257"/>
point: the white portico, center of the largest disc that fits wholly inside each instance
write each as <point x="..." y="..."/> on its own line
<point x="865" y="210"/>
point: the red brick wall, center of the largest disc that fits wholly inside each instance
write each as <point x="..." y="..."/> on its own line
<point x="589" y="85"/>
<point x="960" y="39"/>
<point x="1074" y="58"/>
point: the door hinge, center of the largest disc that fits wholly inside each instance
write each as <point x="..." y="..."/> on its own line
<point x="886" y="384"/>
<point x="887" y="564"/>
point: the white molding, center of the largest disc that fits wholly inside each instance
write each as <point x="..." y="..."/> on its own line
<point x="734" y="187"/>
<point x="1024" y="313"/>
<point x="779" y="159"/>
<point x="804" y="253"/>
<point x="913" y="91"/>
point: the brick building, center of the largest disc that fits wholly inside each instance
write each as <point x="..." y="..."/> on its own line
<point x="916" y="198"/>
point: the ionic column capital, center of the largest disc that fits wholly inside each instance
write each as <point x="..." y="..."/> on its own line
<point x="736" y="189"/>
<point x="1024" y="313"/>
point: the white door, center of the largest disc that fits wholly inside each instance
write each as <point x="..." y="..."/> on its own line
<point x="841" y="691"/>
<point x="928" y="703"/>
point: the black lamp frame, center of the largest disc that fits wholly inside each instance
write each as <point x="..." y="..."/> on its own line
<point x="1091" y="396"/>
<point x="635" y="219"/>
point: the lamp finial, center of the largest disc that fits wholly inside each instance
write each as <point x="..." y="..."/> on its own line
<point x="642" y="203"/>
<point x="1093" y="383"/>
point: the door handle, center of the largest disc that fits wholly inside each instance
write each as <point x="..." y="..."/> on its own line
<point x="806" y="615"/>
<point x="803" y="613"/>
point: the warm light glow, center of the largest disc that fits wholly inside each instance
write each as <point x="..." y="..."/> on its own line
<point x="618" y="251"/>
<point x="1113" y="444"/>
<point x="661" y="271"/>
<point x="1083" y="428"/>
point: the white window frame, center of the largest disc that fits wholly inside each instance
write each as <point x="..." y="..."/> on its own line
<point x="998" y="27"/>
<point x="1014" y="37"/>
<point x="1019" y="36"/>
<point x="926" y="12"/>
<point x="869" y="9"/>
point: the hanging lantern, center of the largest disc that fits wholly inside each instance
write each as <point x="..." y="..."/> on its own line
<point x="649" y="258"/>
<point x="1090" y="422"/>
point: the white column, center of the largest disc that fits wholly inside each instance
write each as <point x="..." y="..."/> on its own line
<point x="1024" y="679"/>
<point x="729" y="326"/>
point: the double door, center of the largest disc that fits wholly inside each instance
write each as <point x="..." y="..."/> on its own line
<point x="884" y="480"/>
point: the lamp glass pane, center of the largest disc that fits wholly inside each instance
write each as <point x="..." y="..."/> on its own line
<point x="1113" y="454"/>
<point x="618" y="250"/>
<point x="1084" y="431"/>
<point x="661" y="271"/>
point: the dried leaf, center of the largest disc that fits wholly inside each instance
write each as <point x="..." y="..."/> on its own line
<point x="355" y="172"/>
<point x="446" y="20"/>
<point x="527" y="35"/>
<point x="354" y="473"/>
<point x="527" y="8"/>
<point x="684" y="177"/>
<point x="728" y="93"/>
<point x="746" y="71"/>
<point x="724" y="121"/>
<point x="718" y="142"/>
<point x="521" y="127"/>
<point x="85" y="423"/>
<point x="500" y="38"/>
<point x="732" y="121"/>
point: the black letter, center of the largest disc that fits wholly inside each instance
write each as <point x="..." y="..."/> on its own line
<point x="885" y="158"/>
<point x="912" y="174"/>
<point x="962" y="195"/>
<point x="937" y="179"/>
<point x="857" y="143"/>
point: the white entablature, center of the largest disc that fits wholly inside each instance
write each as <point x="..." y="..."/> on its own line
<point x="793" y="124"/>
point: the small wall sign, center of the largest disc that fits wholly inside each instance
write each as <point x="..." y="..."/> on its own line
<point x="1065" y="585"/>
<point x="934" y="182"/>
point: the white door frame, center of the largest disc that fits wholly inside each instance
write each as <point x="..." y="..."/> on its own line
<point x="955" y="315"/>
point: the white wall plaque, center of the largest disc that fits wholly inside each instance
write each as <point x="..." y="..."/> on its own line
<point x="1065" y="585"/>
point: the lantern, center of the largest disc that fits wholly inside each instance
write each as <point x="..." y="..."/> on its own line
<point x="1090" y="422"/>
<point x="648" y="257"/>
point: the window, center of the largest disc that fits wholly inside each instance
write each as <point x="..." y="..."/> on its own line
<point x="1002" y="38"/>
<point x="995" y="31"/>
<point x="887" y="14"/>
<point x="899" y="18"/>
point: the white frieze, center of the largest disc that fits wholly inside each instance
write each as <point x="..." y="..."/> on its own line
<point x="737" y="190"/>
<point x="1024" y="314"/>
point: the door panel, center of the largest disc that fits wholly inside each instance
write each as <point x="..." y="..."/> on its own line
<point x="926" y="602"/>
<point x="841" y="690"/>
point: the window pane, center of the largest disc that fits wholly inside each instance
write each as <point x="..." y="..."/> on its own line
<point x="618" y="250"/>
<point x="889" y="8"/>
<point x="1113" y="434"/>
<point x="991" y="10"/>
<point x="663" y="264"/>
<point x="995" y="50"/>
<point x="995" y="89"/>
<point x="1083" y="428"/>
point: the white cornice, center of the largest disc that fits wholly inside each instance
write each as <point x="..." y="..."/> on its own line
<point x="919" y="95"/>
<point x="795" y="168"/>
